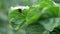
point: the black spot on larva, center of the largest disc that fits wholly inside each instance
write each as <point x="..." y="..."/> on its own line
<point x="20" y="10"/>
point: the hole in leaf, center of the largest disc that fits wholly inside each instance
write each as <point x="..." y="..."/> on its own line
<point x="20" y="10"/>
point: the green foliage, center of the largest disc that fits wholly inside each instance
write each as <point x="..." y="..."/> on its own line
<point x="36" y="20"/>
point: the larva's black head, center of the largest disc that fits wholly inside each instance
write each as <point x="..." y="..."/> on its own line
<point x="20" y="10"/>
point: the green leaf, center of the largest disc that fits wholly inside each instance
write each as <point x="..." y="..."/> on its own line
<point x="16" y="18"/>
<point x="50" y="19"/>
<point x="33" y="15"/>
<point x="35" y="29"/>
<point x="50" y="23"/>
<point x="50" y="12"/>
<point x="26" y="17"/>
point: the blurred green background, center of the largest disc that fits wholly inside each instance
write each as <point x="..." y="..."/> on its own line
<point x="4" y="8"/>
